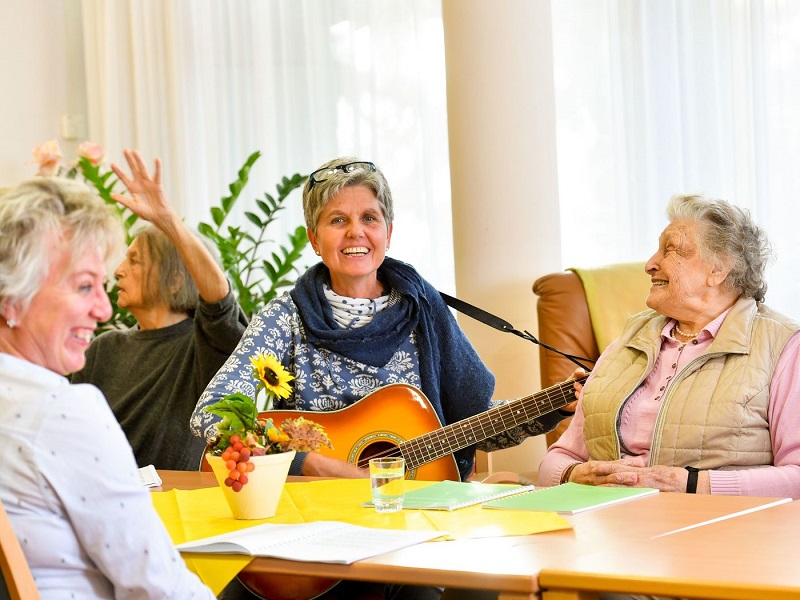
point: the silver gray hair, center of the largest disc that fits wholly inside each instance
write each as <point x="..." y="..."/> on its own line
<point x="730" y="237"/>
<point x="168" y="280"/>
<point x="317" y="195"/>
<point x="38" y="211"/>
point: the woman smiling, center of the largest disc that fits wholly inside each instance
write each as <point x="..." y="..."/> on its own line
<point x="701" y="393"/>
<point x="360" y="320"/>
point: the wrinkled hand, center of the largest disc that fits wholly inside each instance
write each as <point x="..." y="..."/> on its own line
<point x="577" y="373"/>
<point x="147" y="198"/>
<point x="663" y="478"/>
<point x="614" y="472"/>
<point x="630" y="472"/>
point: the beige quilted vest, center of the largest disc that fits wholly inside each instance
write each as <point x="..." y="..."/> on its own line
<point x="715" y="411"/>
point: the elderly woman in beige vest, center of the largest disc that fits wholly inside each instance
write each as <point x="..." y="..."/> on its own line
<point x="700" y="393"/>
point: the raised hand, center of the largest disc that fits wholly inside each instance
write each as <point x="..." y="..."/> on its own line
<point x="147" y="198"/>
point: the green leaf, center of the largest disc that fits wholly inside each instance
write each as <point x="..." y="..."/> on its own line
<point x="254" y="219"/>
<point x="239" y="409"/>
<point x="217" y="215"/>
<point x="243" y="247"/>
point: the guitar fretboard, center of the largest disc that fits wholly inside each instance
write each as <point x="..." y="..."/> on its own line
<point x="448" y="439"/>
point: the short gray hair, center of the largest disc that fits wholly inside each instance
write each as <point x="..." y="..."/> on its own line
<point x="316" y="195"/>
<point x="167" y="278"/>
<point x="728" y="235"/>
<point x="35" y="212"/>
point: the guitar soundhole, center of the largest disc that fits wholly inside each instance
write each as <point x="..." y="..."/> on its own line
<point x="378" y="449"/>
<point x="379" y="444"/>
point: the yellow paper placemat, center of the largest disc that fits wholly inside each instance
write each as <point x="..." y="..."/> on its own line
<point x="194" y="514"/>
<point x="344" y="497"/>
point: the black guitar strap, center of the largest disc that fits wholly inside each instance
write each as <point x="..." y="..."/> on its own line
<point x="491" y="320"/>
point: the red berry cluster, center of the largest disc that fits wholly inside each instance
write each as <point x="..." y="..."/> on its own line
<point x="237" y="460"/>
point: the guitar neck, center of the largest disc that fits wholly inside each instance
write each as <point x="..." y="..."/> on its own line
<point x="441" y="442"/>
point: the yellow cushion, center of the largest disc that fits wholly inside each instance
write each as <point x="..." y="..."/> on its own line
<point x="613" y="293"/>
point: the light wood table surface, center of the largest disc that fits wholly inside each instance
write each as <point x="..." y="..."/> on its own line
<point x="508" y="565"/>
<point x="750" y="557"/>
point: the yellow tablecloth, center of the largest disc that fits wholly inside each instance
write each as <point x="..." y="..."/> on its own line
<point x="194" y="514"/>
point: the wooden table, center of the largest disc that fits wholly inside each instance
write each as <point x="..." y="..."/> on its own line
<point x="508" y="565"/>
<point x="750" y="557"/>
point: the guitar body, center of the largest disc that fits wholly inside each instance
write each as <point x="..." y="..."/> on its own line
<point x="377" y="424"/>
<point x="393" y="420"/>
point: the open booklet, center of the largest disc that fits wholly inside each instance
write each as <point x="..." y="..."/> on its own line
<point x="570" y="498"/>
<point x="319" y="541"/>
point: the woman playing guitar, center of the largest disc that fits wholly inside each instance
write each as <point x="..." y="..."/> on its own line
<point x="358" y="321"/>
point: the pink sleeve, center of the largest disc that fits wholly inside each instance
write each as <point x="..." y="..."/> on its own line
<point x="568" y="449"/>
<point x="783" y="479"/>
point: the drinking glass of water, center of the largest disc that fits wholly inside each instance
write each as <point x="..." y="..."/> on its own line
<point x="387" y="476"/>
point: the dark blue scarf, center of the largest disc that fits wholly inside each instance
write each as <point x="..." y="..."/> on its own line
<point x="453" y="377"/>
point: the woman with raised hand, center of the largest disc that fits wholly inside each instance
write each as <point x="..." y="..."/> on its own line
<point x="68" y="478"/>
<point x="188" y="323"/>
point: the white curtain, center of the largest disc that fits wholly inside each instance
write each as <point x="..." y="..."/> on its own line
<point x="203" y="83"/>
<point x="677" y="96"/>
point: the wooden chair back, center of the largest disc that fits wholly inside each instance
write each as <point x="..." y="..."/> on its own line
<point x="13" y="564"/>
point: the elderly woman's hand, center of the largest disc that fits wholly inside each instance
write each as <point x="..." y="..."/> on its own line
<point x="632" y="472"/>
<point x="576" y="374"/>
<point x="667" y="479"/>
<point x="147" y="198"/>
<point x="614" y="472"/>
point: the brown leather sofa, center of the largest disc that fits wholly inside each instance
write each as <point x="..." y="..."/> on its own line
<point x="565" y="323"/>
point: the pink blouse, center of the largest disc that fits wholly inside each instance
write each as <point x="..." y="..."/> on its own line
<point x="640" y="410"/>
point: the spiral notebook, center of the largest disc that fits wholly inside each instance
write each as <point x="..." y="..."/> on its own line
<point x="452" y="495"/>
<point x="570" y="498"/>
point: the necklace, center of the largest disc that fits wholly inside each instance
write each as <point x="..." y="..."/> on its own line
<point x="686" y="335"/>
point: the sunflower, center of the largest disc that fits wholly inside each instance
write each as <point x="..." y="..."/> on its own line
<point x="271" y="374"/>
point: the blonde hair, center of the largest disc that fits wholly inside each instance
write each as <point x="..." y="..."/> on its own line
<point x="38" y="211"/>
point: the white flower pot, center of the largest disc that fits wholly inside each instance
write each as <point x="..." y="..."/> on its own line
<point x="259" y="497"/>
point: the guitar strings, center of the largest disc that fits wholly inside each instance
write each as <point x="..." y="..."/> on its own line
<point x="390" y="452"/>
<point x="421" y="451"/>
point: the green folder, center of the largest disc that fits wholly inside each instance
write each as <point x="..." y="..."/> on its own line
<point x="569" y="498"/>
<point x="452" y="495"/>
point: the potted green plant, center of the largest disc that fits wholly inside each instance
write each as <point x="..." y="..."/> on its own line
<point x="256" y="276"/>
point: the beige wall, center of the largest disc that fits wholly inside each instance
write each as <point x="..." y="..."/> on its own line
<point x="41" y="61"/>
<point x="501" y="118"/>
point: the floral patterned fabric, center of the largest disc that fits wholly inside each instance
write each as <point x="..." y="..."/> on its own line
<point x="327" y="380"/>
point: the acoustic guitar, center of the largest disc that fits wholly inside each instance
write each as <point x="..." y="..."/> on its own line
<point x="399" y="420"/>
